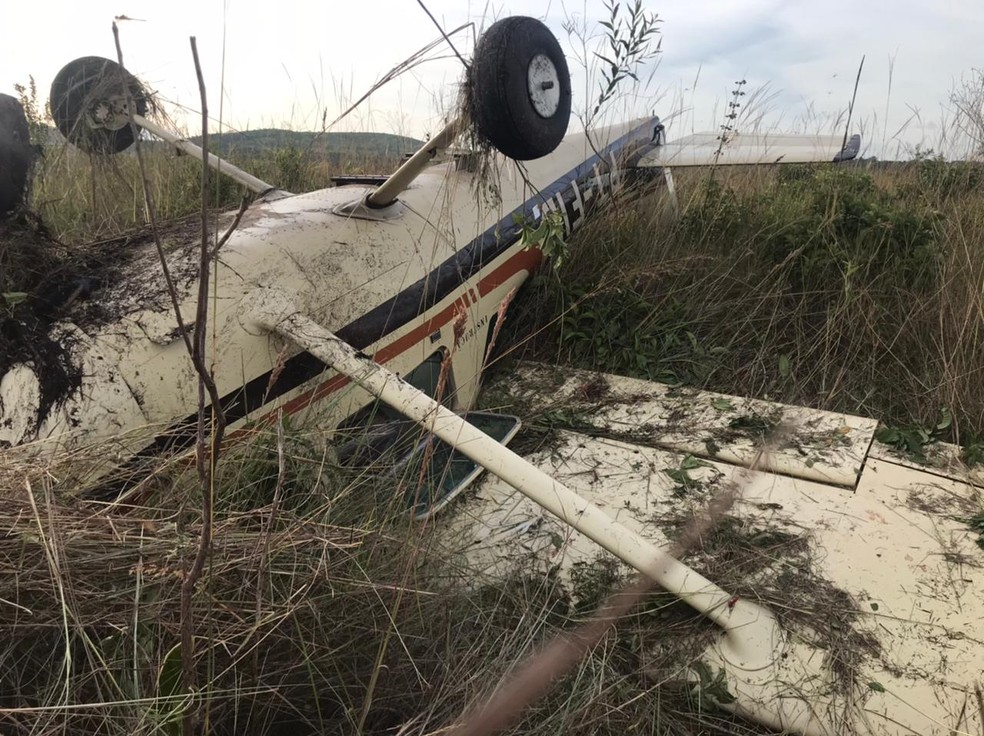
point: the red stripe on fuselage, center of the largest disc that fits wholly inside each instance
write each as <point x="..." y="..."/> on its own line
<point x="527" y="259"/>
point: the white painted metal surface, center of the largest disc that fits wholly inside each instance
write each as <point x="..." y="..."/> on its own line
<point x="340" y="267"/>
<point x="894" y="544"/>
<point x="706" y="149"/>
<point x="389" y="190"/>
<point x="273" y="310"/>
<point x="249" y="181"/>
<point x="817" y="445"/>
<point x="942" y="458"/>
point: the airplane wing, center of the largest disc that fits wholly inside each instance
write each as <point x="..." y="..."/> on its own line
<point x="705" y="149"/>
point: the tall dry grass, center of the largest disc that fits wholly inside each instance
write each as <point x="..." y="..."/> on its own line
<point x="324" y="610"/>
<point x="81" y="197"/>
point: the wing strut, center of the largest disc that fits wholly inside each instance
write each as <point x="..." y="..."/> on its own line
<point x="752" y="649"/>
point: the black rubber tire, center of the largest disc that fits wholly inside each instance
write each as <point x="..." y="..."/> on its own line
<point x="501" y="108"/>
<point x="16" y="154"/>
<point x="83" y="83"/>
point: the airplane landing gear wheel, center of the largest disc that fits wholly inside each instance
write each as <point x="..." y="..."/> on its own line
<point x="16" y="154"/>
<point x="520" y="88"/>
<point x="89" y="104"/>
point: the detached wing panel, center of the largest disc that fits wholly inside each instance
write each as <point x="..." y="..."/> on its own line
<point x="702" y="149"/>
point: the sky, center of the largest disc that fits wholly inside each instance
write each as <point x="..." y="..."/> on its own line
<point x="299" y="63"/>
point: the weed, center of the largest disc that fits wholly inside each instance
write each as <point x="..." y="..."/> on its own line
<point x="548" y="236"/>
<point x="729" y="127"/>
<point x="630" y="39"/>
<point x="944" y="180"/>
<point x="660" y="345"/>
<point x="718" y="214"/>
<point x="289" y="165"/>
<point x="824" y="226"/>
<point x="35" y="112"/>
<point x="911" y="440"/>
<point x="967" y="98"/>
<point x="839" y="226"/>
<point x="592" y="582"/>
<point x="972" y="452"/>
<point x="976" y="524"/>
<point x="686" y="483"/>
<point x="712" y="685"/>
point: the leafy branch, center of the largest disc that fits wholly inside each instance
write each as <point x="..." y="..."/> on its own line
<point x="630" y="38"/>
<point x="911" y="440"/>
<point x="548" y="236"/>
<point x="37" y="113"/>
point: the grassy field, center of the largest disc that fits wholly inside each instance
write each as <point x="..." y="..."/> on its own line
<point x="82" y="198"/>
<point x="852" y="289"/>
<point x="324" y="609"/>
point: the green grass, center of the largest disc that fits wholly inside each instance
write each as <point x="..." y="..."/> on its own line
<point x="839" y="288"/>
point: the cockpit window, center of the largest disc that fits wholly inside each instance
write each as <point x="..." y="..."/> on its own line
<point x="377" y="432"/>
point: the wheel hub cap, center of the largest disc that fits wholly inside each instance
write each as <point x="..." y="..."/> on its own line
<point x="544" y="86"/>
<point x="109" y="113"/>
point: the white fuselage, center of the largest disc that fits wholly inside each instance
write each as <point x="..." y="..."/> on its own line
<point x="392" y="283"/>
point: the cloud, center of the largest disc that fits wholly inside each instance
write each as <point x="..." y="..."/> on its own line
<point x="292" y="63"/>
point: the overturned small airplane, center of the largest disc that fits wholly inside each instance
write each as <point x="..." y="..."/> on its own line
<point x="341" y="306"/>
<point x="386" y="263"/>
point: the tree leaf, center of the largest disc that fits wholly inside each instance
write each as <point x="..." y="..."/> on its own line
<point x="14" y="297"/>
<point x="785" y="366"/>
<point x="692" y="463"/>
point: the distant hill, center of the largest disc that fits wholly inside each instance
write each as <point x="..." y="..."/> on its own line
<point x="256" y="143"/>
<point x="252" y="144"/>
